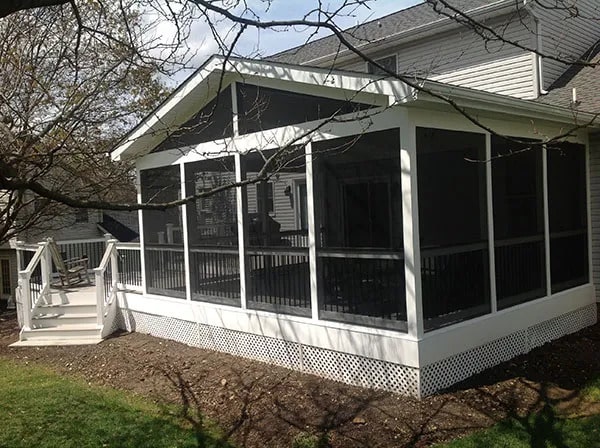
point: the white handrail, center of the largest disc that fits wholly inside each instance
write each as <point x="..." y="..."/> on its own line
<point x="103" y="301"/>
<point x="27" y="301"/>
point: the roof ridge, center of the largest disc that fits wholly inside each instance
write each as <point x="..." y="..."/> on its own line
<point x="399" y="11"/>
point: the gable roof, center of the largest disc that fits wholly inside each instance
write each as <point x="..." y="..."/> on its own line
<point x="586" y="79"/>
<point x="392" y="26"/>
<point x="219" y="71"/>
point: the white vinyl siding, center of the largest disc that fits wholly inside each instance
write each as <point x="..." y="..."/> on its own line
<point x="567" y="37"/>
<point x="463" y="58"/>
<point x="595" y="208"/>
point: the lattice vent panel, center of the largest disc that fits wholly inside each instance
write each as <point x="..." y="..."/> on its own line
<point x="261" y="348"/>
<point x="360" y="371"/>
<point x="456" y="368"/>
<point x="558" y="327"/>
<point x="164" y="327"/>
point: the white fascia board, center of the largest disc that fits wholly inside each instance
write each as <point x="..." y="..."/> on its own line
<point x="494" y="102"/>
<point x="439" y="26"/>
<point x="161" y="120"/>
<point x="398" y="91"/>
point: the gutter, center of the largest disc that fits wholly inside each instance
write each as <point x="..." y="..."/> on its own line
<point x="507" y="104"/>
<point x="539" y="64"/>
<point x="405" y="36"/>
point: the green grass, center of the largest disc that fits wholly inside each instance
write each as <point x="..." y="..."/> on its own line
<point x="542" y="430"/>
<point x="42" y="409"/>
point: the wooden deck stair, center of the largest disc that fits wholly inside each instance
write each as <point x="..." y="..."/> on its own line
<point x="69" y="319"/>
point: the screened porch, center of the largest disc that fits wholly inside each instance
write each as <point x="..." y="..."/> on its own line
<point x="394" y="225"/>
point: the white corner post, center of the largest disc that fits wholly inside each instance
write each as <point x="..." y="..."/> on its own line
<point x="410" y="217"/>
<point x="546" y="220"/>
<point x="240" y="198"/>
<point x="185" y="236"/>
<point x="141" y="226"/>
<point x="312" y="233"/>
<point x="490" y="221"/>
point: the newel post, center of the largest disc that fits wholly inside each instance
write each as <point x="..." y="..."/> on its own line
<point x="25" y="299"/>
<point x="114" y="263"/>
<point x="99" y="279"/>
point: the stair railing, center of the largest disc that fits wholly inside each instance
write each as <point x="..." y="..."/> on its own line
<point x="107" y="279"/>
<point x="34" y="284"/>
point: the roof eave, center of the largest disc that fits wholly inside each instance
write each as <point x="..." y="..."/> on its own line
<point x="420" y="32"/>
<point x="493" y="102"/>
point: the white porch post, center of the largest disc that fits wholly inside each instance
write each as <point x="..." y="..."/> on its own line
<point x="312" y="233"/>
<point x="141" y="226"/>
<point x="185" y="236"/>
<point x="546" y="219"/>
<point x="241" y="219"/>
<point x="490" y="222"/>
<point x="410" y="216"/>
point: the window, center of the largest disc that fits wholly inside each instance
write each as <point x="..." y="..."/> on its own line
<point x="5" y="273"/>
<point x="358" y="206"/>
<point x="260" y="108"/>
<point x="452" y="226"/>
<point x="276" y="245"/>
<point x="213" y="122"/>
<point x="163" y="238"/>
<point x="213" y="232"/>
<point x="518" y="200"/>
<point x="390" y="63"/>
<point x="264" y="197"/>
<point x="567" y="209"/>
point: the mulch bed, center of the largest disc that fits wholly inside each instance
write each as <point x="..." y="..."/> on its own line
<point x="259" y="405"/>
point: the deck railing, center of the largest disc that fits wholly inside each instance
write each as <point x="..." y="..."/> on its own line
<point x="130" y="266"/>
<point x="107" y="280"/>
<point x="34" y="281"/>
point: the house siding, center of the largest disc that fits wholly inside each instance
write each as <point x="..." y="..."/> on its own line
<point x="463" y="58"/>
<point x="567" y="37"/>
<point x="595" y="208"/>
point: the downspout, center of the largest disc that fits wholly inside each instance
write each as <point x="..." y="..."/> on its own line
<point x="539" y="60"/>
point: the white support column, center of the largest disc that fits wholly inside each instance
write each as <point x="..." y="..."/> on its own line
<point x="185" y="237"/>
<point x="588" y="198"/>
<point x="410" y="224"/>
<point x="546" y="219"/>
<point x="241" y="231"/>
<point x="490" y="222"/>
<point x="141" y="226"/>
<point x="312" y="233"/>
<point x="234" y="109"/>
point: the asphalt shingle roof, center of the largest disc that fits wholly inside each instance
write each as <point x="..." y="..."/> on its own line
<point x="401" y="21"/>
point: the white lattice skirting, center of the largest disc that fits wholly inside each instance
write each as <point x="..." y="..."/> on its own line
<point x="353" y="369"/>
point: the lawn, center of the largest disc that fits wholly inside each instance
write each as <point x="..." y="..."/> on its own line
<point x="577" y="427"/>
<point x="43" y="409"/>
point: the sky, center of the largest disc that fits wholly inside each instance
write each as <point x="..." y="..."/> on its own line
<point x="254" y="43"/>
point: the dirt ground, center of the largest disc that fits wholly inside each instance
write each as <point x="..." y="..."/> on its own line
<point x="258" y="405"/>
